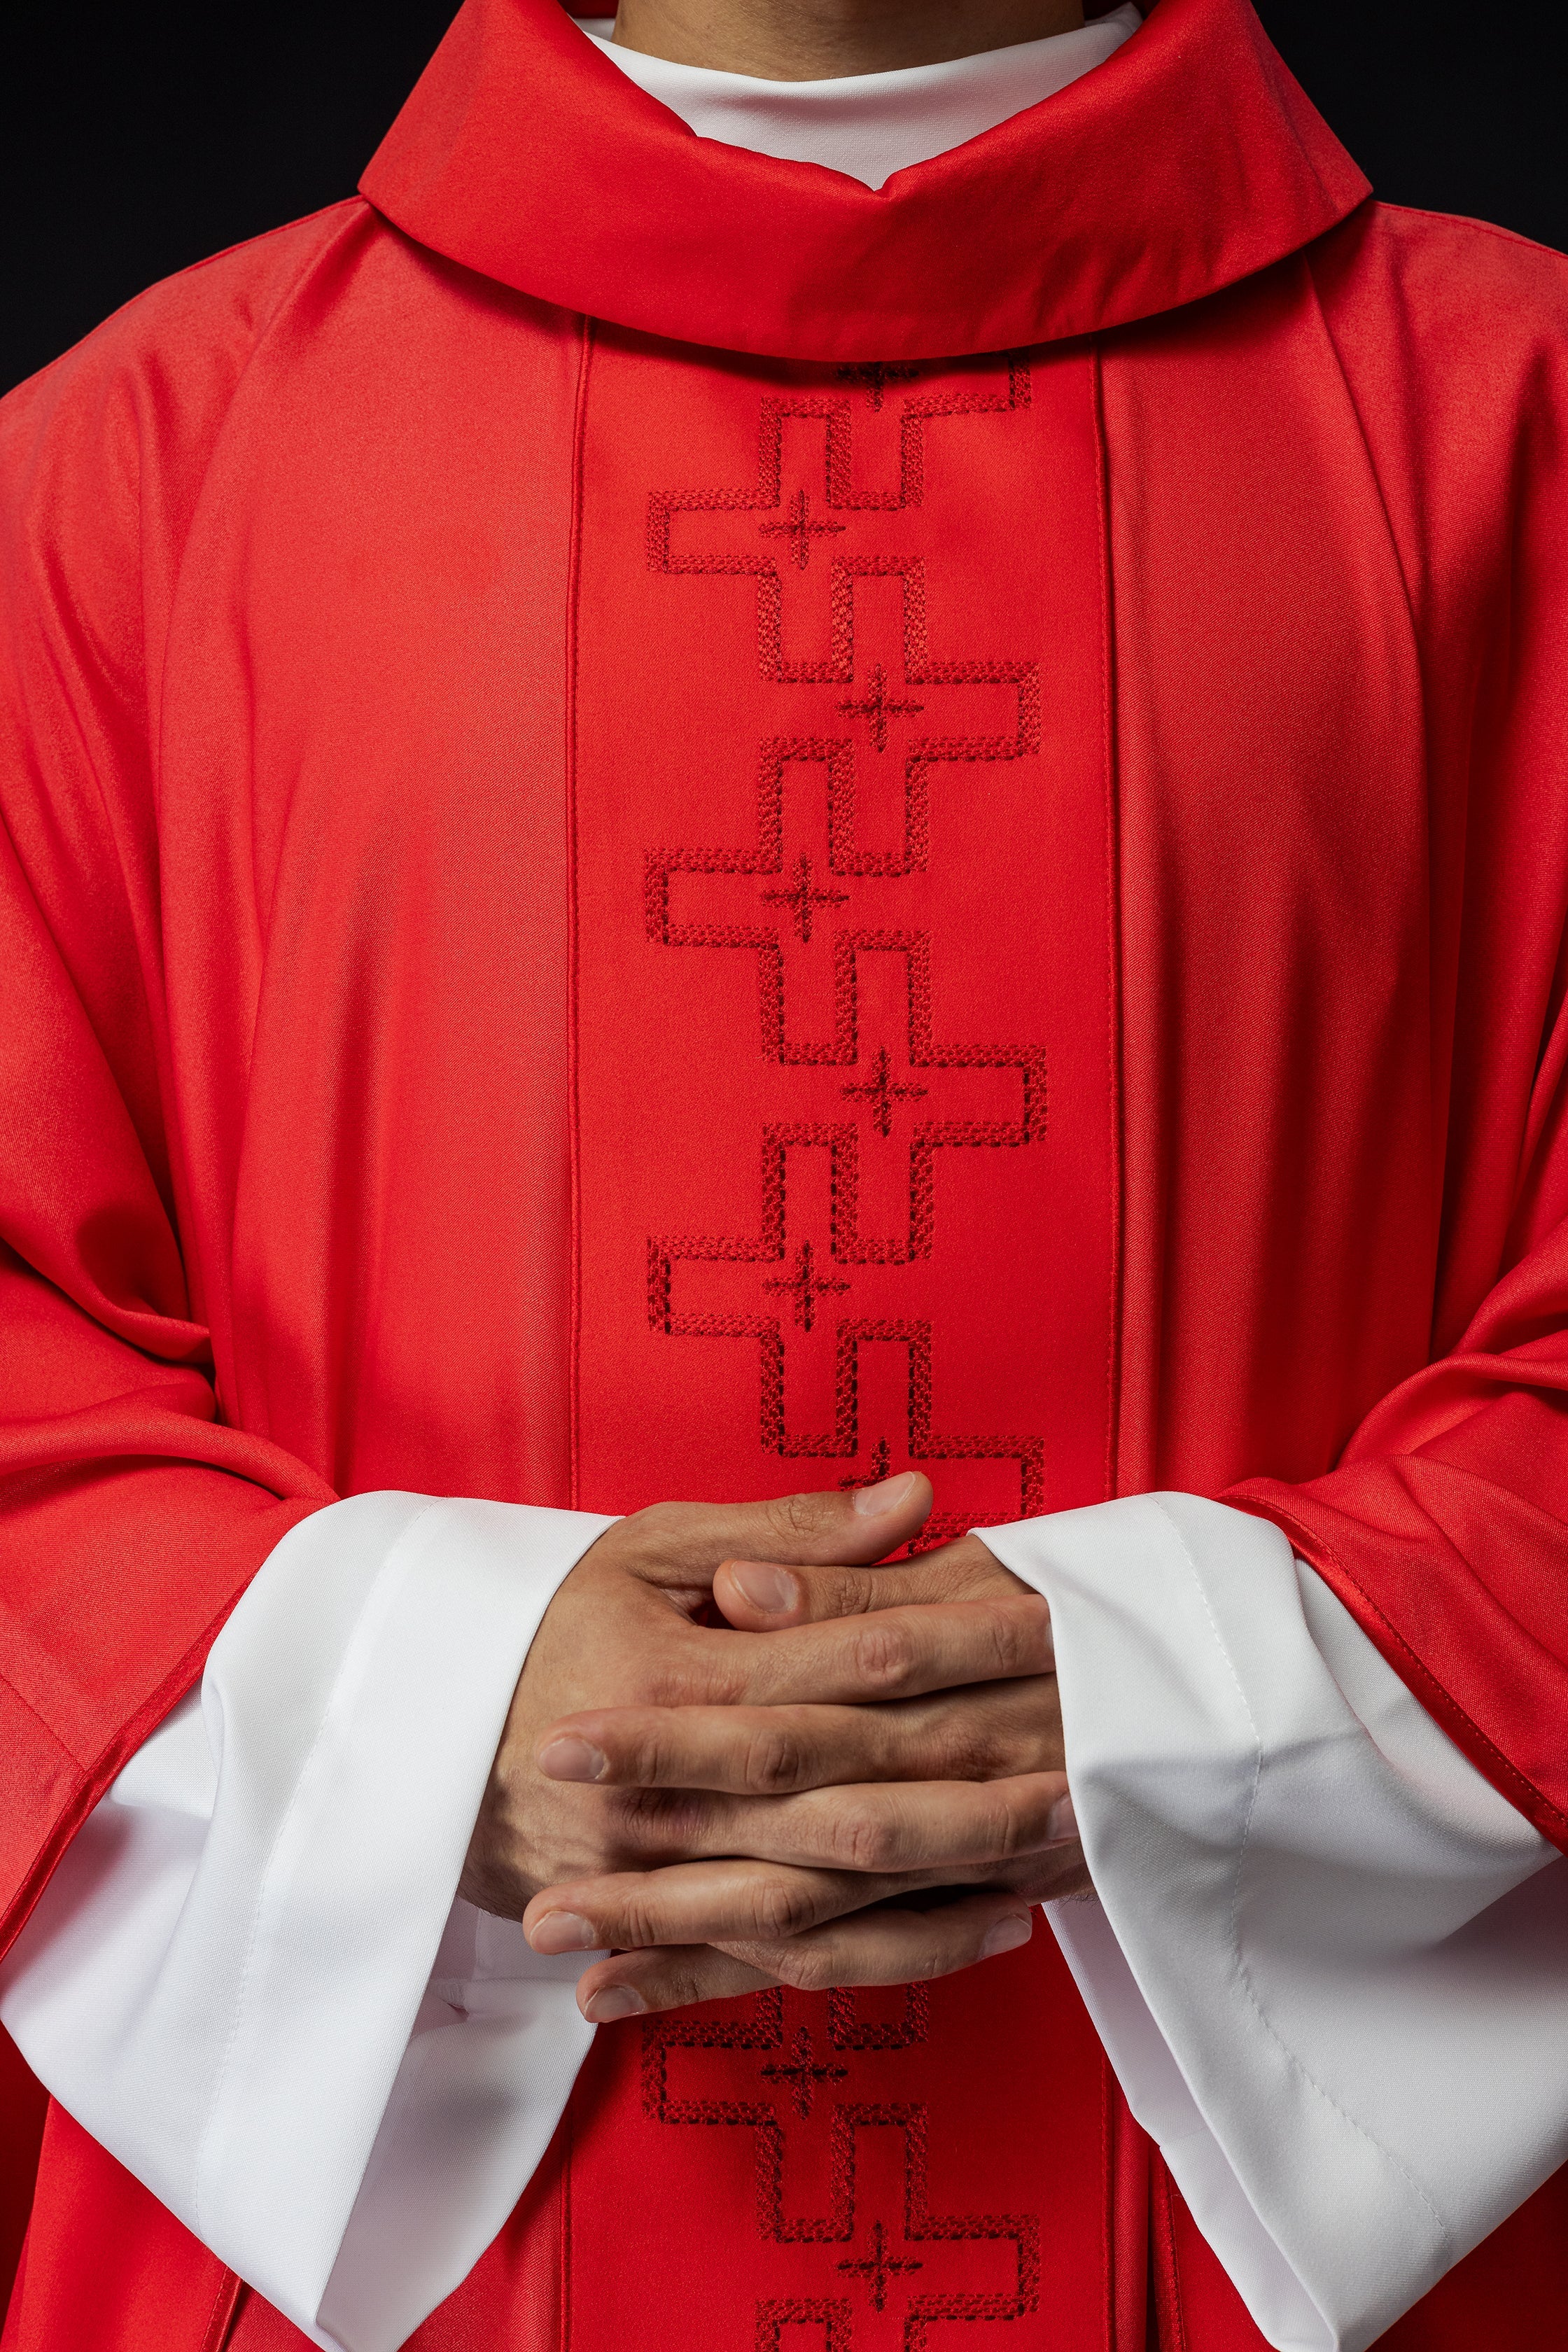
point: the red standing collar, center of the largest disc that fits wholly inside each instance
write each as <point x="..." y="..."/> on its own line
<point x="1189" y="160"/>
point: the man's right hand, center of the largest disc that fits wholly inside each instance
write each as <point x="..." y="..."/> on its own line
<point x="823" y="1702"/>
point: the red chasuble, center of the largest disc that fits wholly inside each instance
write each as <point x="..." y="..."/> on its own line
<point x="672" y="828"/>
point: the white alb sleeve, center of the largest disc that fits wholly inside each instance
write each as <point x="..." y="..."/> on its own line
<point x="249" y="1977"/>
<point x="1328" y="1961"/>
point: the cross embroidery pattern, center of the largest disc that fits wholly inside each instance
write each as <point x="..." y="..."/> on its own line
<point x="882" y="2274"/>
<point x="803" y="897"/>
<point x="801" y="531"/>
<point x="878" y="707"/>
<point x="878" y="2266"/>
<point x="881" y="1092"/>
<point x="806" y="1287"/>
<point x="994" y="706"/>
<point x="805" y="2078"/>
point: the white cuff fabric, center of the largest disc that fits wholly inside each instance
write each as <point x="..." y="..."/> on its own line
<point x="1328" y="1963"/>
<point x="870" y="125"/>
<point x="249" y="1978"/>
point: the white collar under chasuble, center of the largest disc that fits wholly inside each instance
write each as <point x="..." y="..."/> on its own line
<point x="869" y="126"/>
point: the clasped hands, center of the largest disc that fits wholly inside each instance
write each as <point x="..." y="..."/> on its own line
<point x="740" y="1754"/>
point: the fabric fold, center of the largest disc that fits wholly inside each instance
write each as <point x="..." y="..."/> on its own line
<point x="229" y="1981"/>
<point x="1326" y="1957"/>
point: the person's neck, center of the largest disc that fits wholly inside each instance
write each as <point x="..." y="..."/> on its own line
<point x="820" y="40"/>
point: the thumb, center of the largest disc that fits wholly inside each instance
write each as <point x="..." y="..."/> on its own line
<point x="805" y="1530"/>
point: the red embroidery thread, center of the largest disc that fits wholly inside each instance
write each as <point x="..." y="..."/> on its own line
<point x="798" y="910"/>
<point x="763" y="2030"/>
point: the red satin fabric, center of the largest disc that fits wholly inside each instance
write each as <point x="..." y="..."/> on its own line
<point x="589" y="918"/>
<point x="1038" y="230"/>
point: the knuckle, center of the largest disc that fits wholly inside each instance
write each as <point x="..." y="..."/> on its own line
<point x="966" y="1750"/>
<point x="849" y="1593"/>
<point x="660" y="1821"/>
<point x="781" y="1908"/>
<point x="1031" y="1618"/>
<point x="640" y="1757"/>
<point x="684" y="1675"/>
<point x="660" y="1524"/>
<point x="882" y="1654"/>
<point x="805" y="1967"/>
<point x="973" y="1568"/>
<point x="999" y="1835"/>
<point x="775" y="1761"/>
<point x="796" y="1515"/>
<point x="676" y="1988"/>
<point x="1017" y="1824"/>
<point x="635" y="1924"/>
<point x="865" y="1841"/>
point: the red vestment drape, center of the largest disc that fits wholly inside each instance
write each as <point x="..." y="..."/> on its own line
<point x="754" y="891"/>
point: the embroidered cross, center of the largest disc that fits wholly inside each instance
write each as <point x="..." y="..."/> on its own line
<point x="878" y="2266"/>
<point x="876" y="709"/>
<point x="876" y="377"/>
<point x="882" y="1091"/>
<point x="800" y="530"/>
<point x="805" y="2077"/>
<point x="801" y="898"/>
<point x="805" y="1285"/>
<point x="879" y="1467"/>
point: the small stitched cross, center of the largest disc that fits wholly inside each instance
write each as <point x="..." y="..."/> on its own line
<point x="878" y="2266"/>
<point x="802" y="897"/>
<point x="876" y="709"/>
<point x="882" y="1091"/>
<point x="805" y="2077"/>
<point x="879" y="1465"/>
<point x="800" y="529"/>
<point x="805" y="1285"/>
<point x="876" y="377"/>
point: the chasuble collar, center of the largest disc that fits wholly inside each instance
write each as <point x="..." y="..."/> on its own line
<point x="1189" y="160"/>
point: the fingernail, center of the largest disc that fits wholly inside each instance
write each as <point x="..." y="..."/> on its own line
<point x="615" y="2000"/>
<point x="1061" y="1822"/>
<point x="772" y="1590"/>
<point x="562" y="1931"/>
<point x="571" y="1759"/>
<point x="872" y="1501"/>
<point x="1007" y="1934"/>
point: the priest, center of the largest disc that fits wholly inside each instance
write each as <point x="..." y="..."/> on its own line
<point x="828" y="759"/>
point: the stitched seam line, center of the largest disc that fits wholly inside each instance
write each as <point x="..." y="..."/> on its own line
<point x="1466" y="221"/>
<point x="1419" y="1674"/>
<point x="1296" y="2062"/>
<point x="219" y="2330"/>
<point x="97" y="1774"/>
<point x="1389" y="532"/>
<point x="1178" y="2309"/>
<point x="1108" y="2152"/>
<point x="1118" y="1143"/>
<point x="575" y="1145"/>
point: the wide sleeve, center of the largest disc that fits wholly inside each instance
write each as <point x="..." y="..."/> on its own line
<point x="1442" y="1525"/>
<point x="1443" y="1529"/>
<point x="223" y="1915"/>
<point x="131" y="1515"/>
<point x="1326" y="1958"/>
<point x="250" y="1977"/>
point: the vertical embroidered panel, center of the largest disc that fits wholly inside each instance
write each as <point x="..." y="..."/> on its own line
<point x="842" y="1068"/>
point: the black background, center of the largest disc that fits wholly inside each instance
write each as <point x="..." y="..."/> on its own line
<point x="136" y="139"/>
